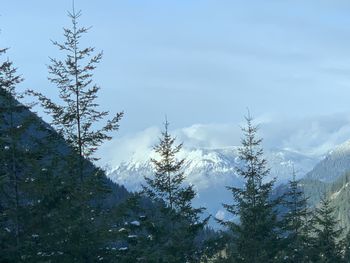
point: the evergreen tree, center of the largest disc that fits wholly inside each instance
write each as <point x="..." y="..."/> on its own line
<point x="20" y="152"/>
<point x="255" y="236"/>
<point x="346" y="248"/>
<point x="326" y="247"/>
<point x="81" y="235"/>
<point x="296" y="224"/>
<point x="178" y="223"/>
<point x="11" y="190"/>
<point x="134" y="232"/>
<point x="25" y="147"/>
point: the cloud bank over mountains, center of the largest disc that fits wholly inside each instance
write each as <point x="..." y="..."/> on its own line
<point x="310" y="136"/>
<point x="211" y="162"/>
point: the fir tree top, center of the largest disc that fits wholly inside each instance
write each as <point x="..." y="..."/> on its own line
<point x="167" y="184"/>
<point x="76" y="116"/>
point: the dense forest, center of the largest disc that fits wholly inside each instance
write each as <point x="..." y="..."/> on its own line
<point x="56" y="205"/>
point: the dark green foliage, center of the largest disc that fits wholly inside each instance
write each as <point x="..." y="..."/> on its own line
<point x="133" y="232"/>
<point x="327" y="232"/>
<point x="75" y="118"/>
<point x="346" y="247"/>
<point x="255" y="236"/>
<point x="14" y="203"/>
<point x="177" y="223"/>
<point x="167" y="184"/>
<point x="214" y="245"/>
<point x="337" y="191"/>
<point x="296" y="225"/>
<point x="80" y="228"/>
<point x="56" y="206"/>
<point x="24" y="145"/>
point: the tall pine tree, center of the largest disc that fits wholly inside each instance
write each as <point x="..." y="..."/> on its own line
<point x="76" y="118"/>
<point x="296" y="225"/>
<point x="346" y="248"/>
<point x="255" y="237"/>
<point x="179" y="222"/>
<point x="327" y="248"/>
<point x="21" y="155"/>
<point x="12" y="155"/>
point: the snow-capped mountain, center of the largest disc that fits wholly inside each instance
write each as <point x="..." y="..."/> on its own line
<point x="335" y="164"/>
<point x="211" y="170"/>
<point x="330" y="178"/>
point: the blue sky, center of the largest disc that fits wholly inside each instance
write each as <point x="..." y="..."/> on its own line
<point x="197" y="61"/>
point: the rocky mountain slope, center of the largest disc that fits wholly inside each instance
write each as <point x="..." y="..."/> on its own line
<point x="335" y="164"/>
<point x="330" y="178"/>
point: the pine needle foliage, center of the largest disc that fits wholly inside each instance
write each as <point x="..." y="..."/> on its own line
<point x="21" y="158"/>
<point x="255" y="236"/>
<point x="296" y="224"/>
<point x="167" y="184"/>
<point x="178" y="222"/>
<point x="12" y="156"/>
<point x="73" y="76"/>
<point x="327" y="247"/>
<point x="76" y="118"/>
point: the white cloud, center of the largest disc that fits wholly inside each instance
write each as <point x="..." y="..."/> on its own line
<point x="312" y="136"/>
<point x="136" y="146"/>
<point x="220" y="215"/>
<point x="209" y="135"/>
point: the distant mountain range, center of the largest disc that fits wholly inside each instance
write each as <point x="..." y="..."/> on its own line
<point x="211" y="170"/>
<point x="335" y="164"/>
<point x="330" y="178"/>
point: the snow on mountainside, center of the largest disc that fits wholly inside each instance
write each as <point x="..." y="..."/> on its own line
<point x="210" y="170"/>
<point x="334" y="165"/>
<point x="331" y="178"/>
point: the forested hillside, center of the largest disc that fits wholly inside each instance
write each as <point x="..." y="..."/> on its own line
<point x="57" y="205"/>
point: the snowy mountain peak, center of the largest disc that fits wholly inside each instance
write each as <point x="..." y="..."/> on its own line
<point x="335" y="164"/>
<point x="210" y="170"/>
<point x="342" y="149"/>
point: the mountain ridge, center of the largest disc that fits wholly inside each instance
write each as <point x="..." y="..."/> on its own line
<point x="333" y="165"/>
<point x="210" y="170"/>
